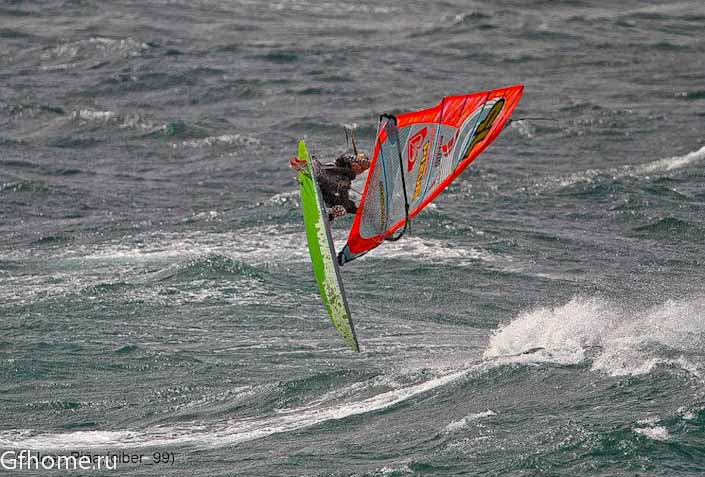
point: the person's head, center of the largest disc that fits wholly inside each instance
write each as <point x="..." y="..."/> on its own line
<point x="360" y="163"/>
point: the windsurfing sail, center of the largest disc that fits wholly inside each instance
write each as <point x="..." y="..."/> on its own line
<point x="416" y="155"/>
<point x="320" y="246"/>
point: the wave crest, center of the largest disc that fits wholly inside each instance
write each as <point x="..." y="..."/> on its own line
<point x="620" y="340"/>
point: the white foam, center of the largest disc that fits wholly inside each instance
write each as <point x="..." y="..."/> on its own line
<point x="125" y="47"/>
<point x="562" y="334"/>
<point x="660" y="165"/>
<point x="671" y="163"/>
<point x="462" y="423"/>
<point x="384" y="471"/>
<point x="136" y="121"/>
<point x="225" y="139"/>
<point x="658" y="433"/>
<point x="619" y="340"/>
<point x="331" y="8"/>
<point x="91" y="115"/>
<point x="122" y="121"/>
<point x="254" y="245"/>
<point x="78" y="440"/>
<point x="225" y="433"/>
<point x="127" y="259"/>
<point x="686" y="414"/>
<point x="283" y="198"/>
<point x="431" y="250"/>
<point x="264" y="244"/>
<point x="26" y="289"/>
<point x="523" y="127"/>
<point x="650" y="420"/>
<point x="209" y="216"/>
<point x="66" y="50"/>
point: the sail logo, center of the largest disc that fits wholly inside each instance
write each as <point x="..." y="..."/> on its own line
<point x="422" y="170"/>
<point x="446" y="148"/>
<point x="382" y="207"/>
<point x="483" y="129"/>
<point x="414" y="146"/>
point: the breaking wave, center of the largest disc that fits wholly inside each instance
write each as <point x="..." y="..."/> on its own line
<point x="619" y="340"/>
<point x="654" y="167"/>
<point x="225" y="433"/>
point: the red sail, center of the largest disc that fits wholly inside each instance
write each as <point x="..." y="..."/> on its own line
<point x="436" y="145"/>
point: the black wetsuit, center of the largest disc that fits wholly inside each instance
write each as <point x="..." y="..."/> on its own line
<point x="335" y="179"/>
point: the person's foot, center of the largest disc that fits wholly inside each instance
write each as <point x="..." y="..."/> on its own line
<point x="335" y="212"/>
<point x="297" y="164"/>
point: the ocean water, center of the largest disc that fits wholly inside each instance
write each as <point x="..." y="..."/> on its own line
<point x="545" y="317"/>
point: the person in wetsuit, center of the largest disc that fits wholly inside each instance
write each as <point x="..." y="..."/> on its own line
<point x="335" y="178"/>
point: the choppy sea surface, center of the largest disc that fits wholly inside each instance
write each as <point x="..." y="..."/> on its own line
<point x="546" y="316"/>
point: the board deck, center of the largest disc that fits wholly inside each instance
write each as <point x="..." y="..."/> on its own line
<point x="322" y="250"/>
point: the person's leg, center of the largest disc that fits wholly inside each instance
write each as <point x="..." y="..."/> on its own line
<point x="336" y="207"/>
<point x="349" y="205"/>
<point x="345" y="201"/>
<point x="335" y="212"/>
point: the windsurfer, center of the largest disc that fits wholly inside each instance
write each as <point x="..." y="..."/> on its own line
<point x="335" y="179"/>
